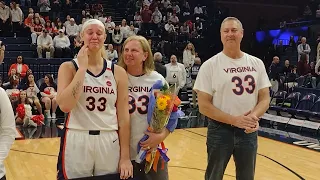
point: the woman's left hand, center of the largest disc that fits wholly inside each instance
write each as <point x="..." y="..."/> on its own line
<point x="153" y="141"/>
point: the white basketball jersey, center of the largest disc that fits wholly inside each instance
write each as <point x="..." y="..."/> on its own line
<point x="96" y="107"/>
<point x="139" y="93"/>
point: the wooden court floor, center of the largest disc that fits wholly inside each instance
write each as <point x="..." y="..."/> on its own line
<point x="35" y="159"/>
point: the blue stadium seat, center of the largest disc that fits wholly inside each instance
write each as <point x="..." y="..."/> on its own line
<point x="289" y="103"/>
<point x="303" y="107"/>
<point x="277" y="102"/>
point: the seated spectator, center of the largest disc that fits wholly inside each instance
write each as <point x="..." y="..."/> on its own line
<point x="117" y="38"/>
<point x="49" y="28"/>
<point x="13" y="82"/>
<point x="132" y="31"/>
<point x="292" y="78"/>
<point x="60" y="26"/>
<point x="97" y="8"/>
<point x="198" y="26"/>
<point x="36" y="30"/>
<point x="307" y="13"/>
<point x="165" y="3"/>
<point x="62" y="45"/>
<point x="167" y="17"/>
<point x="25" y="79"/>
<point x="169" y="27"/>
<point x="48" y="91"/>
<point x="67" y="22"/>
<point x="32" y="92"/>
<point x="29" y="21"/>
<point x="197" y="11"/>
<point x="304" y="71"/>
<point x="185" y="31"/>
<point x="77" y="45"/>
<point x="112" y="54"/>
<point x="137" y="20"/>
<point x="176" y="8"/>
<point x="72" y="30"/>
<point x="42" y="21"/>
<point x="12" y="88"/>
<point x="45" y="43"/>
<point x="82" y="22"/>
<point x="174" y="19"/>
<point x="24" y="119"/>
<point x="159" y="67"/>
<point x="20" y="67"/>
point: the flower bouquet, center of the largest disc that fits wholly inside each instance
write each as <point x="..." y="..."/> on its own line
<point x="162" y="113"/>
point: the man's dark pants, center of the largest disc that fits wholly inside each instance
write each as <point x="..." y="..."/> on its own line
<point x="224" y="140"/>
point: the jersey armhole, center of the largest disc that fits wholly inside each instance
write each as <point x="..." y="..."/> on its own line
<point x="75" y="64"/>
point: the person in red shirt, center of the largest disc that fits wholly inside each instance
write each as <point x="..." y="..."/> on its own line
<point x="36" y="30"/>
<point x="20" y="67"/>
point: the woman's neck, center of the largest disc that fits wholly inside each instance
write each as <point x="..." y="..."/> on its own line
<point x="135" y="71"/>
<point x="94" y="58"/>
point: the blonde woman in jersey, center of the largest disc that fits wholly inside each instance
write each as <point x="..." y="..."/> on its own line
<point x="137" y="60"/>
<point x="95" y="94"/>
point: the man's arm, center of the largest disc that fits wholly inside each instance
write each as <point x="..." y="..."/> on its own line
<point x="2" y="49"/>
<point x="263" y="102"/>
<point x="208" y="109"/>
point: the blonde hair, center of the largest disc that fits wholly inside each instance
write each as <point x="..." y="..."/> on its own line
<point x="148" y="64"/>
<point x="232" y="19"/>
<point x="193" y="52"/>
<point x="97" y="22"/>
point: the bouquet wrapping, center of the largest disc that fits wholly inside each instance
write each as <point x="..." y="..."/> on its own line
<point x="162" y="113"/>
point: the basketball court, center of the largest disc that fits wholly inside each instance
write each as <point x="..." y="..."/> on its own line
<point x="35" y="159"/>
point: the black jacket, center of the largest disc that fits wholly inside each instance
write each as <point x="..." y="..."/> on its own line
<point x="161" y="69"/>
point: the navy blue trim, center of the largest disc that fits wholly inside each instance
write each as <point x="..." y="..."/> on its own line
<point x="102" y="72"/>
<point x="60" y="175"/>
<point x="112" y="68"/>
<point x="75" y="64"/>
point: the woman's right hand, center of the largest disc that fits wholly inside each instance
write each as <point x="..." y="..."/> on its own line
<point x="83" y="57"/>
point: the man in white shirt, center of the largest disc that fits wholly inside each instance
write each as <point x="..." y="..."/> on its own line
<point x="7" y="130"/>
<point x="233" y="92"/>
<point x="304" y="48"/>
<point x="62" y="45"/>
<point x="45" y="43"/>
<point x="72" y="30"/>
<point x="4" y="16"/>
<point x="176" y="72"/>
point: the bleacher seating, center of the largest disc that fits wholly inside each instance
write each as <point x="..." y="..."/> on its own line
<point x="294" y="111"/>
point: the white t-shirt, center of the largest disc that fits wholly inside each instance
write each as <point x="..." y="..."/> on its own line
<point x="233" y="83"/>
<point x="7" y="130"/>
<point x="139" y="93"/>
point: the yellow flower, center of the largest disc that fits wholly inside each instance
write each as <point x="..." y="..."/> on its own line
<point x="161" y="103"/>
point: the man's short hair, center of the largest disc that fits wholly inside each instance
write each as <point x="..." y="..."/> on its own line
<point x="232" y="19"/>
<point x="157" y="54"/>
